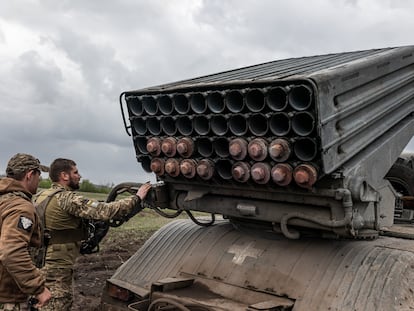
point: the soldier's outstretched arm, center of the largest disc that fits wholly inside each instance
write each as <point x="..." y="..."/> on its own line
<point x="83" y="207"/>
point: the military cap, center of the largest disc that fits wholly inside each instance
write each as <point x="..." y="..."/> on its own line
<point x="22" y="162"/>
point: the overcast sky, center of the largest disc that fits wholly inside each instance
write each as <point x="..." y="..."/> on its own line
<point x="63" y="64"/>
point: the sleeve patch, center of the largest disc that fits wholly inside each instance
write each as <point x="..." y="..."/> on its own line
<point x="25" y="223"/>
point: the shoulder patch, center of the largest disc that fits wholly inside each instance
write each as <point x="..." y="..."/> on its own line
<point x="25" y="223"/>
<point x="94" y="204"/>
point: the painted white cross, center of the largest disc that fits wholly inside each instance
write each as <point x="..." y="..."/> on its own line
<point x="242" y="251"/>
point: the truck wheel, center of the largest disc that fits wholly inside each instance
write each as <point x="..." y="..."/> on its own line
<point x="401" y="175"/>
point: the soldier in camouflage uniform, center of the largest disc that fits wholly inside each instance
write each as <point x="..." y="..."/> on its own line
<point x="64" y="217"/>
<point x="19" y="230"/>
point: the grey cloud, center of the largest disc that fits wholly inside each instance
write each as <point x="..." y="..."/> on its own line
<point x="2" y="37"/>
<point x="43" y="77"/>
<point x="117" y="46"/>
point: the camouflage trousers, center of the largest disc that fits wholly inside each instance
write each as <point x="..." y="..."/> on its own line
<point x="22" y="306"/>
<point x="59" y="282"/>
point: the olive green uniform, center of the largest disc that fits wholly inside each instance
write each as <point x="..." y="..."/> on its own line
<point x="64" y="217"/>
<point x="19" y="230"/>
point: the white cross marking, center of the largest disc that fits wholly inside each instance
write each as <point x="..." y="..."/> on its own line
<point x="241" y="252"/>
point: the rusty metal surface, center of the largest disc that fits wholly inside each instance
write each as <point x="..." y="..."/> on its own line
<point x="316" y="274"/>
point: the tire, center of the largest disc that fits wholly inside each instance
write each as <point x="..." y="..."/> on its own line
<point x="401" y="175"/>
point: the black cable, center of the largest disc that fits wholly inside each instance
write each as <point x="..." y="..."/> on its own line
<point x="164" y="214"/>
<point x="203" y="224"/>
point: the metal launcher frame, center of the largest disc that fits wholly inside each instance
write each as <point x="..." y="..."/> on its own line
<point x="300" y="145"/>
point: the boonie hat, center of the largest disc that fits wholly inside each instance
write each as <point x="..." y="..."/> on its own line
<point x="22" y="162"/>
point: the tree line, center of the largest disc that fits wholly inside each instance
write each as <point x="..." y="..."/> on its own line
<point x="85" y="186"/>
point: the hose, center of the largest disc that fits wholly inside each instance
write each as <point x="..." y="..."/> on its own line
<point x="347" y="204"/>
<point x="203" y="224"/>
<point x="164" y="214"/>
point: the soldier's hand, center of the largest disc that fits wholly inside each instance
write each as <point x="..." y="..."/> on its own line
<point x="43" y="298"/>
<point x="143" y="190"/>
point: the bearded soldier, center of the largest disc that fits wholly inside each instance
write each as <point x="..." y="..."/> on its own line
<point x="19" y="230"/>
<point x="64" y="215"/>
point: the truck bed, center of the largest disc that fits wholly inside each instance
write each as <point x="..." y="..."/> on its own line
<point x="247" y="269"/>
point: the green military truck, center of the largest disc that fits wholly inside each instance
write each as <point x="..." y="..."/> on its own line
<point x="298" y="162"/>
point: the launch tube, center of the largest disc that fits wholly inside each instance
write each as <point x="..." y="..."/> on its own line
<point x="135" y="105"/>
<point x="221" y="147"/>
<point x="223" y="168"/>
<point x="168" y="125"/>
<point x="255" y="100"/>
<point x="201" y="125"/>
<point x="150" y="105"/>
<point x="279" y="124"/>
<point x="205" y="147"/>
<point x="238" y="125"/>
<point x="180" y="103"/>
<point x="282" y="174"/>
<point x="276" y="98"/>
<point x="153" y="125"/>
<point x="172" y="167"/>
<point x="257" y="149"/>
<point x="188" y="168"/>
<point x="241" y="171"/>
<point x="260" y="172"/>
<point x="234" y="101"/>
<point x="157" y="166"/>
<point x="185" y="147"/>
<point x="305" y="175"/>
<point x="279" y="150"/>
<point x="140" y="126"/>
<point x="185" y="125"/>
<point x="238" y="148"/>
<point x="305" y="149"/>
<point x="215" y="102"/>
<point x="205" y="169"/>
<point x="141" y="144"/>
<point x="219" y="125"/>
<point x="169" y="146"/>
<point x="198" y="103"/>
<point x="258" y="124"/>
<point x="165" y="105"/>
<point x="303" y="123"/>
<point x="300" y="97"/>
<point x="154" y="146"/>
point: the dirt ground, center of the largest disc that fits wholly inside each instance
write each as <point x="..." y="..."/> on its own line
<point x="92" y="270"/>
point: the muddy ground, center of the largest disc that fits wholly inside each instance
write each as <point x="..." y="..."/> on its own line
<point x="92" y="270"/>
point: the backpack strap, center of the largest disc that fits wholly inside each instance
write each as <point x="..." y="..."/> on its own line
<point x="41" y="207"/>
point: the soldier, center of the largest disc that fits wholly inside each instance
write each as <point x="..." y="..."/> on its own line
<point x="64" y="217"/>
<point x="19" y="230"/>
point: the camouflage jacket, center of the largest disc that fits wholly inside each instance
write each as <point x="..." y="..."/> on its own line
<point x="66" y="211"/>
<point x="73" y="205"/>
<point x="19" y="230"/>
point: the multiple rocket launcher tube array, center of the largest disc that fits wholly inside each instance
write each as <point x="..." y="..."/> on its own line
<point x="261" y="135"/>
